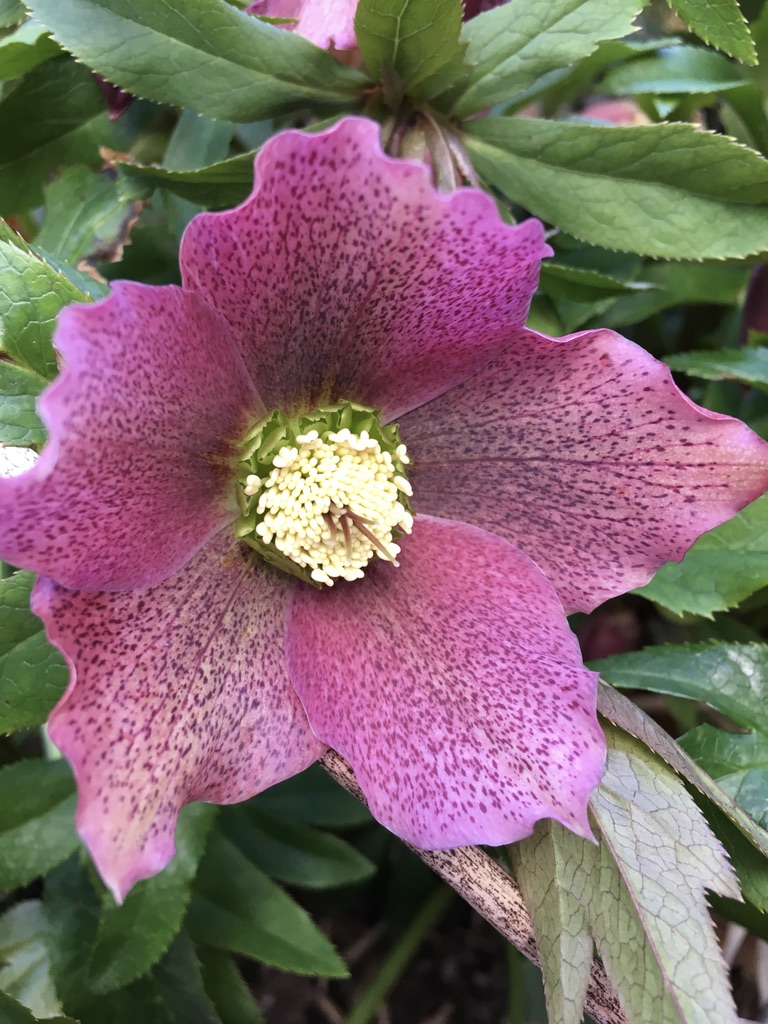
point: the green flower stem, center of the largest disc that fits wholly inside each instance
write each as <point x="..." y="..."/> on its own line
<point x="397" y="961"/>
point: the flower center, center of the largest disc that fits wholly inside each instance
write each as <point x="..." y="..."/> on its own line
<point x="322" y="494"/>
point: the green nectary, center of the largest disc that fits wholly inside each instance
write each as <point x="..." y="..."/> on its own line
<point x="346" y="433"/>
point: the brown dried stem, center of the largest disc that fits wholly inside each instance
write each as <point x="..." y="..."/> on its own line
<point x="484" y="884"/>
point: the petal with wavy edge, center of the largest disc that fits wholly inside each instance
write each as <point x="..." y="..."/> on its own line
<point x="346" y="275"/>
<point x="583" y="452"/>
<point x="329" y="24"/>
<point x="133" y="479"/>
<point x="454" y="687"/>
<point x="177" y="693"/>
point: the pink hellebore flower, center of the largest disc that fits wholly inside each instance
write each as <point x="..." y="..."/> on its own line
<point x="546" y="475"/>
<point x="620" y="111"/>
<point x="329" y="24"/>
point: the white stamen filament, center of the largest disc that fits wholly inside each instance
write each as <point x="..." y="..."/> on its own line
<point x="332" y="505"/>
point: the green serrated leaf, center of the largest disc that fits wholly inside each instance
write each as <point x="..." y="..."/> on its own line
<point x="722" y="568"/>
<point x="19" y="422"/>
<point x="33" y="675"/>
<point x="25" y="48"/>
<point x="295" y="854"/>
<point x="37" y="807"/>
<point x="86" y="217"/>
<point x="680" y="69"/>
<point x="32" y="293"/>
<point x="238" y="908"/>
<point x="622" y="712"/>
<point x="656" y="852"/>
<point x="719" y="23"/>
<point x="11" y="12"/>
<point x="172" y="993"/>
<point x="667" y="856"/>
<point x="201" y="54"/>
<point x="216" y="187"/>
<point x="550" y="869"/>
<point x="750" y="865"/>
<point x="25" y="972"/>
<point x="133" y="937"/>
<point x="512" y="46"/>
<point x="227" y="989"/>
<point x="579" y="284"/>
<point x="739" y="763"/>
<point x="665" y="190"/>
<point x="15" y="1013"/>
<point x="34" y="141"/>
<point x="732" y="678"/>
<point x="415" y="40"/>
<point x="749" y="365"/>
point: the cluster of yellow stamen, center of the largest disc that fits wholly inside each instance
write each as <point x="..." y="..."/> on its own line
<point x="331" y="503"/>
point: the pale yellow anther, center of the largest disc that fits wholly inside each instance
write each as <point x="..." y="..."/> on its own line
<point x="252" y="485"/>
<point x="332" y="505"/>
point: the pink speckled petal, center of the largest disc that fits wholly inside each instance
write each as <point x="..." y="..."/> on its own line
<point x="346" y="275"/>
<point x="583" y="453"/>
<point x="329" y="24"/>
<point x="454" y="687"/>
<point x="133" y="479"/>
<point x="177" y="693"/>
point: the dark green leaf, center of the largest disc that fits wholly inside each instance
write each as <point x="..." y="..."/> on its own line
<point x="217" y="187"/>
<point x="201" y="54"/>
<point x="32" y="673"/>
<point x="296" y="854"/>
<point x="197" y="141"/>
<point x="749" y="863"/>
<point x="15" y="1013"/>
<point x="745" y="364"/>
<point x="747" y="103"/>
<point x="677" y="283"/>
<point x="133" y="937"/>
<point x="72" y="909"/>
<point x="415" y="40"/>
<point x="512" y="46"/>
<point x="719" y="23"/>
<point x="19" y="422"/>
<point x="37" y="807"/>
<point x="172" y="993"/>
<point x="666" y="190"/>
<point x="732" y="678"/>
<point x="313" y="798"/>
<point x="25" y="48"/>
<point x="11" y="12"/>
<point x="86" y="217"/>
<point x="236" y="907"/>
<point x="227" y="989"/>
<point x="723" y="567"/>
<point x="680" y="69"/>
<point x="739" y="762"/>
<point x="579" y="284"/>
<point x="36" y="142"/>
